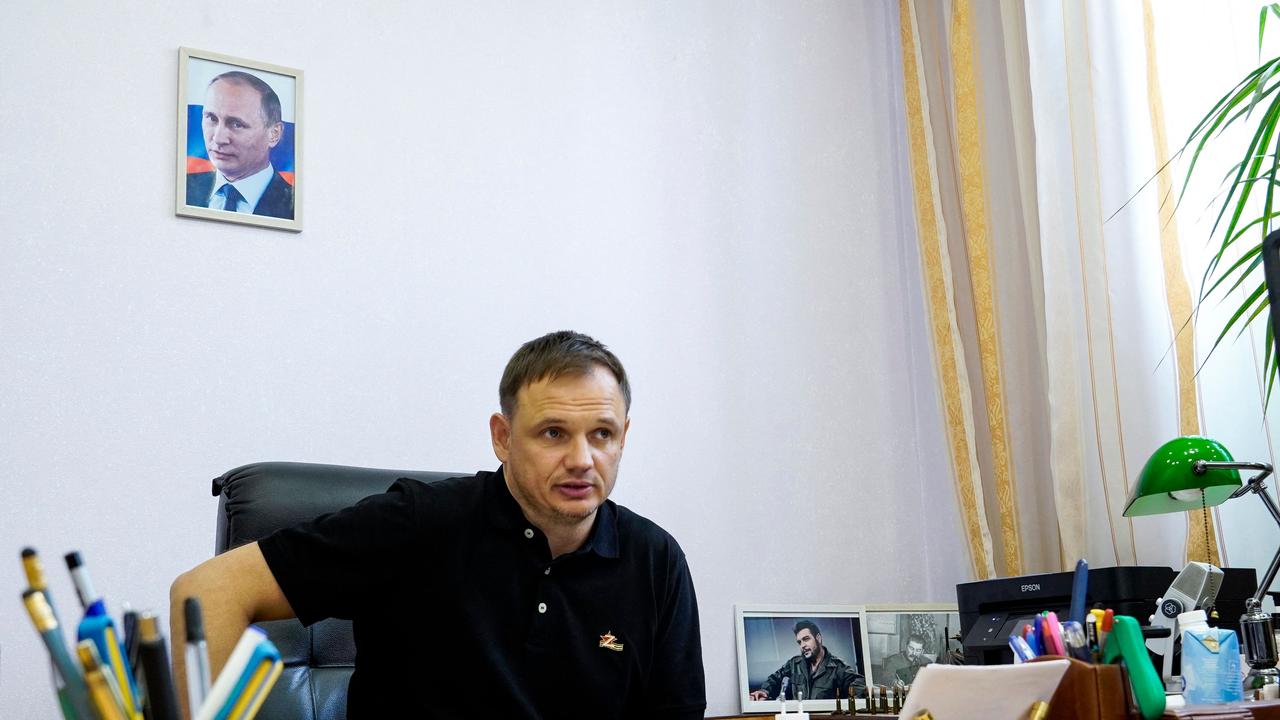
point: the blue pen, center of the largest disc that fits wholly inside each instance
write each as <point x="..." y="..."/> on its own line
<point x="1079" y="587"/>
<point x="1033" y="639"/>
<point x="102" y="632"/>
<point x="98" y="627"/>
<point x="1022" y="651"/>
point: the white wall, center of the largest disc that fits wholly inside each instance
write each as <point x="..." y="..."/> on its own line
<point x="715" y="189"/>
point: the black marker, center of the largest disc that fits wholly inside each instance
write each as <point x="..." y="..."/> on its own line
<point x="162" y="701"/>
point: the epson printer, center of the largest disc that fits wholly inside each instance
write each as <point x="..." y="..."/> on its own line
<point x="991" y="610"/>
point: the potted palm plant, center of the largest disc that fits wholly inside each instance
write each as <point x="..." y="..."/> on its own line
<point x="1246" y="209"/>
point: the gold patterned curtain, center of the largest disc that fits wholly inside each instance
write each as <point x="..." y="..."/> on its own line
<point x="1035" y="362"/>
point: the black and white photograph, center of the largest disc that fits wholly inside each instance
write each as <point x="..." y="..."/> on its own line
<point x="799" y="652"/>
<point x="903" y="639"/>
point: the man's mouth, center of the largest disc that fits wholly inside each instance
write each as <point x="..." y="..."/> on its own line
<point x="575" y="490"/>
<point x="214" y="154"/>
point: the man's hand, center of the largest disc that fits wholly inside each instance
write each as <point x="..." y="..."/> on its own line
<point x="759" y="695"/>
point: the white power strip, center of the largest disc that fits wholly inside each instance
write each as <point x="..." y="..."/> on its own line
<point x="799" y="714"/>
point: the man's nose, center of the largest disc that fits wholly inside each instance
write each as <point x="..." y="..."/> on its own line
<point x="579" y="454"/>
<point x="221" y="135"/>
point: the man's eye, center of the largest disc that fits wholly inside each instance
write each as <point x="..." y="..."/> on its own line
<point x="552" y="433"/>
<point x="604" y="434"/>
<point x="238" y="125"/>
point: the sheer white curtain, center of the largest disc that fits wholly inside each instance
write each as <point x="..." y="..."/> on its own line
<point x="1115" y="88"/>
<point x="1061" y="321"/>
<point x="1113" y="363"/>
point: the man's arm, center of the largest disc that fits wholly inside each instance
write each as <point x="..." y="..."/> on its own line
<point x="676" y="686"/>
<point x="851" y="677"/>
<point x="769" y="688"/>
<point x="891" y="665"/>
<point x="235" y="589"/>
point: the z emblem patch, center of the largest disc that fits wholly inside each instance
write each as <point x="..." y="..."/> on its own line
<point x="609" y="642"/>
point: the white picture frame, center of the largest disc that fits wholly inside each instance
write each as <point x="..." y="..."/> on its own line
<point x="766" y="641"/>
<point x="283" y="197"/>
<point x="889" y="630"/>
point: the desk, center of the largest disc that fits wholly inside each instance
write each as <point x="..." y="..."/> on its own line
<point x="812" y="716"/>
<point x="1261" y="710"/>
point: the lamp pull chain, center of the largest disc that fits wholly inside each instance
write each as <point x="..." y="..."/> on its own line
<point x="1204" y="511"/>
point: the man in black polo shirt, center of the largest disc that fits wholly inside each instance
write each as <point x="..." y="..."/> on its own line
<point x="524" y="591"/>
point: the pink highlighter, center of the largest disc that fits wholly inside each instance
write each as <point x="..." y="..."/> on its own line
<point x="1053" y="634"/>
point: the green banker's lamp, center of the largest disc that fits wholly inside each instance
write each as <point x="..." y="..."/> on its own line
<point x="1191" y="473"/>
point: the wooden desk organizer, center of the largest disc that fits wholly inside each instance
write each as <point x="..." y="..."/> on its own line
<point x="1089" y="692"/>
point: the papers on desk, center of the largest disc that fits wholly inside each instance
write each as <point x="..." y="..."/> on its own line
<point x="981" y="692"/>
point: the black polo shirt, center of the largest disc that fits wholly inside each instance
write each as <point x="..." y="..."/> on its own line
<point x="458" y="607"/>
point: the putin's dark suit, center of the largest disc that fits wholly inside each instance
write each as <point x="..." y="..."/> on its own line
<point x="276" y="200"/>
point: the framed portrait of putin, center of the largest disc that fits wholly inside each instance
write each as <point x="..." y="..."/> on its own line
<point x="239" y="156"/>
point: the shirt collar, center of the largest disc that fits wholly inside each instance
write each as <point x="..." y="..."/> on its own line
<point x="251" y="188"/>
<point x="504" y="513"/>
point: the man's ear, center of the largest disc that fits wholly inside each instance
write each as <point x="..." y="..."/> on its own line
<point x="626" y="425"/>
<point x="274" y="134"/>
<point x="500" y="435"/>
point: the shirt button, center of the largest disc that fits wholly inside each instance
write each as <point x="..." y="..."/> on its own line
<point x="528" y="533"/>
<point x="542" y="607"/>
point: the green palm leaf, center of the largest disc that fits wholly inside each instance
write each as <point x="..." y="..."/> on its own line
<point x="1245" y="207"/>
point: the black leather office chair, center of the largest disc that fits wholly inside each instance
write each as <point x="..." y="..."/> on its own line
<point x="254" y="501"/>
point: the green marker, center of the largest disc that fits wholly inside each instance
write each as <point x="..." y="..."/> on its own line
<point x="1125" y="644"/>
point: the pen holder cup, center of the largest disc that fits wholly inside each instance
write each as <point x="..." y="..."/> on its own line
<point x="1088" y="692"/>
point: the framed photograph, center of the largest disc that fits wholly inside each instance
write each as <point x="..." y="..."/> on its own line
<point x="790" y="650"/>
<point x="239" y="155"/>
<point x="901" y="639"/>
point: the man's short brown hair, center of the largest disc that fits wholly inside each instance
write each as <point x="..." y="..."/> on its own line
<point x="555" y="354"/>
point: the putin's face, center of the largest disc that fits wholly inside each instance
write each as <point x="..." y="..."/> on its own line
<point x="236" y="132"/>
